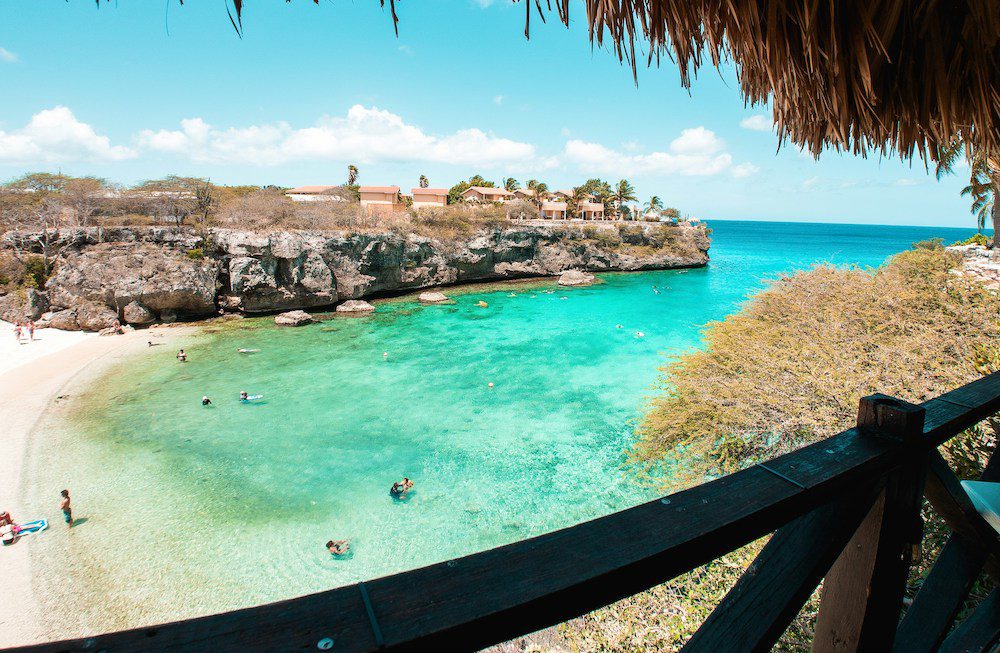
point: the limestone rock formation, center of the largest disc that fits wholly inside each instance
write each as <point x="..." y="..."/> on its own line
<point x="432" y="297"/>
<point x="171" y="273"/>
<point x="136" y="313"/>
<point x="293" y="318"/>
<point x="576" y="278"/>
<point x="117" y="274"/>
<point x="355" y="306"/>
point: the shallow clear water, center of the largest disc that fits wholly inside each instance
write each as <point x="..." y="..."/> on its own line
<point x="191" y="510"/>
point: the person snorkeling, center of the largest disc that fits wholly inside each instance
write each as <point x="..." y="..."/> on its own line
<point x="338" y="547"/>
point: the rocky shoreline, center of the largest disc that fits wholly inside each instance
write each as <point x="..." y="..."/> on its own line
<point x="143" y="275"/>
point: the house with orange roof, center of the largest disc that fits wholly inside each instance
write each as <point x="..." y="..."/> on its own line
<point x="553" y="210"/>
<point x="524" y="194"/>
<point x="486" y="194"/>
<point x="429" y="197"/>
<point x="380" y="198"/>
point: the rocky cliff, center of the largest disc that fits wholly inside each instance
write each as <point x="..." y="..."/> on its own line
<point x="140" y="275"/>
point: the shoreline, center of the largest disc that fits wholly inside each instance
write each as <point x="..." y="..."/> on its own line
<point x="29" y="390"/>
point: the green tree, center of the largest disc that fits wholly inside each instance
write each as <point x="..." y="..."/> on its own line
<point x="983" y="188"/>
<point x="352" y="175"/>
<point x="540" y="188"/>
<point x="455" y="192"/>
<point x="623" y="194"/>
<point x="511" y="184"/>
<point x="654" y="205"/>
<point x="423" y="181"/>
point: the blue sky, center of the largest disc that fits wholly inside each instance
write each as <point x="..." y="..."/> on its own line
<point x="311" y="88"/>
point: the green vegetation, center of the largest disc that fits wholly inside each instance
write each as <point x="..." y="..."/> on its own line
<point x="196" y="253"/>
<point x="975" y="239"/>
<point x="455" y="192"/>
<point x="983" y="188"/>
<point x="788" y="370"/>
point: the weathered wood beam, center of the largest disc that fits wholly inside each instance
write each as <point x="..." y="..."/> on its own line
<point x="863" y="593"/>
<point x="950" y="500"/>
<point x="941" y="596"/>
<point x="755" y="613"/>
<point x="980" y="632"/>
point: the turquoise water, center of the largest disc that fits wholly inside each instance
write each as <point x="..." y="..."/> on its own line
<point x="192" y="510"/>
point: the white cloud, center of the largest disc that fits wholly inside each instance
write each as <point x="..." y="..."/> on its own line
<point x="407" y="50"/>
<point x="906" y="181"/>
<point x="497" y="99"/>
<point x="483" y="4"/>
<point x="696" y="152"/>
<point x="56" y="136"/>
<point x="811" y="183"/>
<point x="758" y="122"/>
<point x="744" y="170"/>
<point x="365" y="134"/>
<point x="8" y="56"/>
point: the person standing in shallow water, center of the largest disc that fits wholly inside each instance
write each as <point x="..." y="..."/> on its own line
<point x="65" y="507"/>
<point x="182" y="356"/>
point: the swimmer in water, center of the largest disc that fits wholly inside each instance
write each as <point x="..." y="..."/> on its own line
<point x="397" y="490"/>
<point x="618" y="326"/>
<point x="385" y="355"/>
<point x="244" y="397"/>
<point x="182" y="356"/>
<point x="205" y="401"/>
<point x="407" y="484"/>
<point x="640" y="334"/>
<point x="241" y="350"/>
<point x="338" y="547"/>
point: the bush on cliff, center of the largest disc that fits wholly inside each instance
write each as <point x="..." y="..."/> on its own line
<point x="785" y="371"/>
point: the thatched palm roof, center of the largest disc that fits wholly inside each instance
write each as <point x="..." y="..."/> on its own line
<point x="859" y="75"/>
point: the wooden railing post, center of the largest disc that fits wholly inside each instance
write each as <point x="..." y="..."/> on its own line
<point x="863" y="592"/>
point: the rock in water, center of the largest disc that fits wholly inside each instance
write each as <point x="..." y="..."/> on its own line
<point x="576" y="278"/>
<point x="432" y="297"/>
<point x="293" y="318"/>
<point x="355" y="306"/>
<point x="136" y="313"/>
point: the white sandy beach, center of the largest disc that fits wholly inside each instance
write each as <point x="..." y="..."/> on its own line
<point x="31" y="377"/>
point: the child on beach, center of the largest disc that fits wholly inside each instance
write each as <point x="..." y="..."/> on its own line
<point x="65" y="507"/>
<point x="17" y="332"/>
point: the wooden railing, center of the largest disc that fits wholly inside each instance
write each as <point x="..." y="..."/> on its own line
<point x="846" y="509"/>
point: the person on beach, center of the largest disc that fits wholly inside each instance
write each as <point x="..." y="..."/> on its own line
<point x="17" y="332"/>
<point x="67" y="511"/>
<point x="338" y="547"/>
<point x="205" y="401"/>
<point x="6" y="519"/>
<point x="181" y="356"/>
<point x="31" y="330"/>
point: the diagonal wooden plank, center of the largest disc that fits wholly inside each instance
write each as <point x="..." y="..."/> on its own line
<point x="758" y="609"/>
<point x="927" y="621"/>
<point x="950" y="500"/>
<point x="980" y="631"/>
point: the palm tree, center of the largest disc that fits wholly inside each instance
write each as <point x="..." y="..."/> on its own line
<point x="654" y="205"/>
<point x="623" y="194"/>
<point x="511" y="184"/>
<point x="984" y="183"/>
<point x="573" y="203"/>
<point x="352" y="174"/>
<point x="539" y="188"/>
<point x="423" y="181"/>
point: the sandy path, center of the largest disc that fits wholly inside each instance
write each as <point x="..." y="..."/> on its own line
<point x="31" y="377"/>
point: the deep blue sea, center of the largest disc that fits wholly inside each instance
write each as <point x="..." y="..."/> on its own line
<point x="241" y="498"/>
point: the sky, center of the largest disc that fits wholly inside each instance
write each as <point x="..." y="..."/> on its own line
<point x="138" y="89"/>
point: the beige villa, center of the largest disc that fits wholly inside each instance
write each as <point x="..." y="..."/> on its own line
<point x="380" y="198"/>
<point x="524" y="194"/>
<point x="429" y="197"/>
<point x="317" y="194"/>
<point x="552" y="210"/>
<point x="485" y="194"/>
